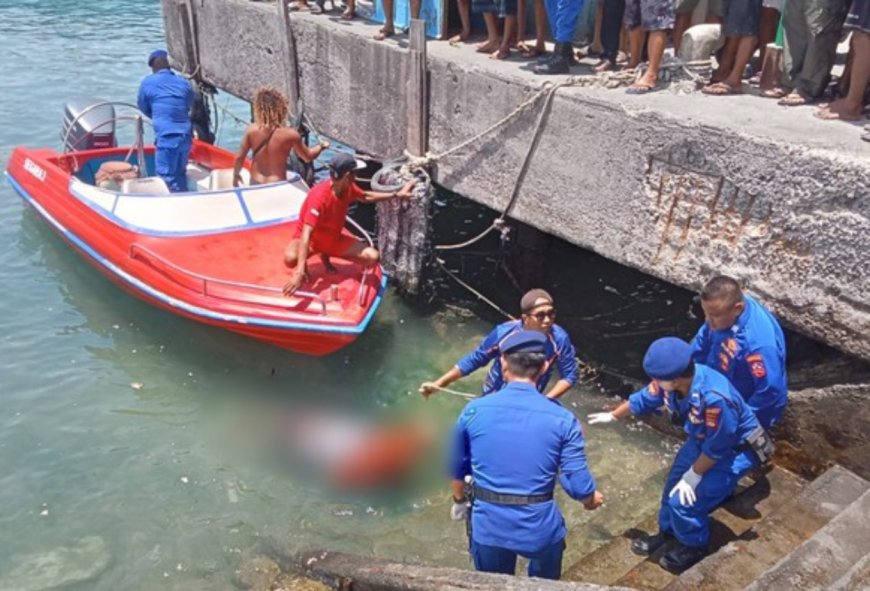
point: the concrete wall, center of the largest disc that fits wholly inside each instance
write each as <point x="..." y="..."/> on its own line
<point x="680" y="187"/>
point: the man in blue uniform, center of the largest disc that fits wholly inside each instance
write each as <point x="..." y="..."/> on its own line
<point x="717" y="453"/>
<point x="515" y="444"/>
<point x="167" y="100"/>
<point x="744" y="342"/>
<point x="538" y="314"/>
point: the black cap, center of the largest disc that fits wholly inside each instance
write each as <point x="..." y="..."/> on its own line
<point x="343" y="163"/>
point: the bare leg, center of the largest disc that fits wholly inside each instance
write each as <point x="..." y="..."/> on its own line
<point x="349" y="11"/>
<point x="767" y="30"/>
<point x="733" y="82"/>
<point x="683" y="22"/>
<point x="362" y="253"/>
<point x="541" y="26"/>
<point x="656" y="50"/>
<point x="387" y="30"/>
<point x="415" y="8"/>
<point x="504" y="50"/>
<point x="851" y="107"/>
<point x="635" y="47"/>
<point x="729" y="53"/>
<point x="596" y="47"/>
<point x="465" y="17"/>
<point x="521" y="26"/>
<point x="492" y="38"/>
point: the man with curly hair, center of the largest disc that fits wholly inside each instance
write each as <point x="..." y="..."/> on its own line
<point x="270" y="140"/>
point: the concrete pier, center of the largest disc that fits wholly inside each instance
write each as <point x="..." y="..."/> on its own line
<point x="680" y="187"/>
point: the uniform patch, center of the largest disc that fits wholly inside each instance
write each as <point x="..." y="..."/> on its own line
<point x="724" y="362"/>
<point x="731" y="346"/>
<point x="711" y="417"/>
<point x="756" y="365"/>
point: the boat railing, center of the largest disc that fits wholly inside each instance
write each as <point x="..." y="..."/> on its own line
<point x="139" y="118"/>
<point x="367" y="271"/>
<point x="211" y="286"/>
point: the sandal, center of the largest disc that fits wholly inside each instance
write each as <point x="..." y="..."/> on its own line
<point x="721" y="89"/>
<point x="642" y="89"/>
<point x="348" y="15"/>
<point x="384" y="33"/>
<point x="604" y="65"/>
<point x="794" y="99"/>
<point x="774" y="93"/>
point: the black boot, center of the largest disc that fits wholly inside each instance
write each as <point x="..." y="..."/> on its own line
<point x="561" y="62"/>
<point x="682" y="557"/>
<point x="548" y="56"/>
<point x="646" y="545"/>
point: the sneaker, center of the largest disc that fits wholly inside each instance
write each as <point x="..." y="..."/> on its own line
<point x="682" y="557"/>
<point x="646" y="545"/>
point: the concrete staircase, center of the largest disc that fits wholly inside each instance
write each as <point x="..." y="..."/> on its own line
<point x="779" y="532"/>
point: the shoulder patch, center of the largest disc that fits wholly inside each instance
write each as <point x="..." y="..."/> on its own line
<point x="756" y="365"/>
<point x="711" y="417"/>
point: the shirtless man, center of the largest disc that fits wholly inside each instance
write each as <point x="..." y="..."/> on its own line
<point x="271" y="141"/>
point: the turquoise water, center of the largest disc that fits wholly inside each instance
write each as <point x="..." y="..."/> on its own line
<point x="136" y="448"/>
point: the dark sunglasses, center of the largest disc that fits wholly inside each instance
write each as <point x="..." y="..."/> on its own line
<point x="540" y="316"/>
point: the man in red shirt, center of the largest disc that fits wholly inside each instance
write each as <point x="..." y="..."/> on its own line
<point x="320" y="229"/>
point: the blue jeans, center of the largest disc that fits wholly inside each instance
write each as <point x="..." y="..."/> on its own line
<point x="170" y="160"/>
<point x="546" y="563"/>
<point x="691" y="525"/>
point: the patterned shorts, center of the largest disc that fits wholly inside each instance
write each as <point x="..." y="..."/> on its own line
<point x="650" y="15"/>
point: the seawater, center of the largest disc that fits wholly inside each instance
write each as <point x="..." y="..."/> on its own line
<point x="128" y="455"/>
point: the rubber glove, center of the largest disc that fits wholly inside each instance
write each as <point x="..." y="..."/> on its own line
<point x="601" y="417"/>
<point x="686" y="488"/>
<point x="459" y="511"/>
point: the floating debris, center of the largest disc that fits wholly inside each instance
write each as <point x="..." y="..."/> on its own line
<point x="137" y="385"/>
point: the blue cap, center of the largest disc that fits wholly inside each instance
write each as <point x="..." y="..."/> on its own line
<point x="667" y="358"/>
<point x="155" y="54"/>
<point x="527" y="341"/>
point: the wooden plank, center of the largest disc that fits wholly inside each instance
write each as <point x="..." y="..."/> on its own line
<point x="418" y="91"/>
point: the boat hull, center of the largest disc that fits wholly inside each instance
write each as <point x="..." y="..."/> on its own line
<point x="156" y="268"/>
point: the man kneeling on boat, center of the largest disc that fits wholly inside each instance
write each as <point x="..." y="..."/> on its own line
<point x="320" y="229"/>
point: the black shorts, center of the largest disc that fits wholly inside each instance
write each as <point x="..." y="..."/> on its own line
<point x="742" y="18"/>
<point x="859" y="16"/>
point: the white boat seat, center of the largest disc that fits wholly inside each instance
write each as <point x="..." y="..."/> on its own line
<point x="150" y="185"/>
<point x="222" y="178"/>
<point x="197" y="177"/>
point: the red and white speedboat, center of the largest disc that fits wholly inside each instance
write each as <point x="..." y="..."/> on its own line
<point x="213" y="254"/>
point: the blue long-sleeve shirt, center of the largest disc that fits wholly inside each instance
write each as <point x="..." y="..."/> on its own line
<point x="714" y="413"/>
<point x="517" y="442"/>
<point x="167" y="100"/>
<point x="751" y="354"/>
<point x="559" y="351"/>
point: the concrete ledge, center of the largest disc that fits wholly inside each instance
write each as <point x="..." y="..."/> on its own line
<point x="677" y="186"/>
<point x="346" y="571"/>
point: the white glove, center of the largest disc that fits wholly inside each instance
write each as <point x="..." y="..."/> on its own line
<point x="459" y="511"/>
<point x="601" y="417"/>
<point x="686" y="488"/>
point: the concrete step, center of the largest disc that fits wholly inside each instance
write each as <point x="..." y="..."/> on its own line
<point x="728" y="523"/>
<point x="835" y="555"/>
<point x="743" y="560"/>
<point x="614" y="563"/>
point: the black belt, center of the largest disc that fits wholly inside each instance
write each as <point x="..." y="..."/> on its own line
<point x="490" y="496"/>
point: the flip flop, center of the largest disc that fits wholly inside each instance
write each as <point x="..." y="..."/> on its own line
<point x="794" y="100"/>
<point x="347" y="16"/>
<point x="774" y="93"/>
<point x="827" y="115"/>
<point x="634" y="89"/>
<point x="500" y="55"/>
<point x="604" y="65"/>
<point x="721" y="89"/>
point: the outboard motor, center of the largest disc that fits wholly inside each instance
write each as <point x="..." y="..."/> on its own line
<point x="95" y="129"/>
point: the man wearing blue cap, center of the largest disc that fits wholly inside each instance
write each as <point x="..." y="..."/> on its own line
<point x="743" y="341"/>
<point x="167" y="100"/>
<point x="320" y="228"/>
<point x="721" y="447"/>
<point x="538" y="314"/>
<point x="515" y="445"/>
